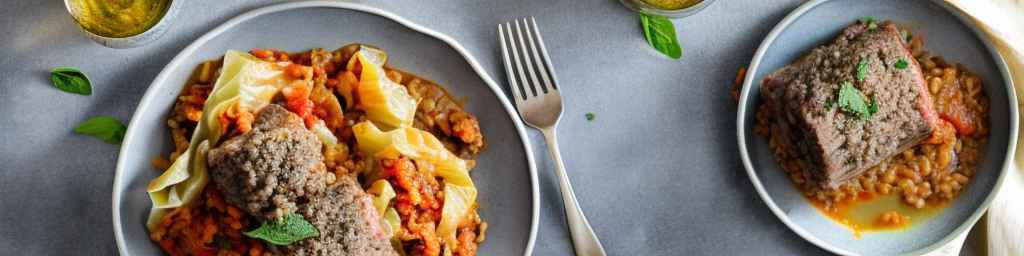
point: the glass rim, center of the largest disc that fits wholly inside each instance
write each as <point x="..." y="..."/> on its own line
<point x="643" y="7"/>
<point x="163" y="17"/>
<point x="150" y="34"/>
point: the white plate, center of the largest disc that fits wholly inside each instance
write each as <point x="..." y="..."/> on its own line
<point x="947" y="33"/>
<point x="505" y="172"/>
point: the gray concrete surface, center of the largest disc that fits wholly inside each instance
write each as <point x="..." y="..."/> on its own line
<point x="657" y="171"/>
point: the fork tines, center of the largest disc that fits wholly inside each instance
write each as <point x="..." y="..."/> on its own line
<point x="529" y="58"/>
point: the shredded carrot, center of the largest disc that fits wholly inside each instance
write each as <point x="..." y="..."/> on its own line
<point x="347" y="85"/>
<point x="256" y="250"/>
<point x="195" y="229"/>
<point x="294" y="71"/>
<point x="209" y="229"/>
<point x="161" y="163"/>
<point x="244" y="121"/>
<point x="234" y="212"/>
<point x="262" y="53"/>
<point x="234" y="118"/>
<point x="737" y="84"/>
<point x="193" y="113"/>
<point x="283" y="56"/>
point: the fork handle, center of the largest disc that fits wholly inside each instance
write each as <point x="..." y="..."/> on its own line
<point x="584" y="240"/>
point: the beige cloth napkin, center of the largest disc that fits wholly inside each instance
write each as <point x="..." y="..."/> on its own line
<point x="1001" y="231"/>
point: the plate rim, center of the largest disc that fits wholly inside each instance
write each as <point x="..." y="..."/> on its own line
<point x="741" y="126"/>
<point x="164" y="75"/>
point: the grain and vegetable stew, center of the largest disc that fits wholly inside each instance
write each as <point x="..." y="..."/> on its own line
<point x="316" y="153"/>
<point x="886" y="127"/>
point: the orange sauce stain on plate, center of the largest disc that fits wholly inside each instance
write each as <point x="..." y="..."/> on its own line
<point x="874" y="213"/>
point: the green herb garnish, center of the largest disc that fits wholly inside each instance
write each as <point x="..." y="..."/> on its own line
<point x="853" y="102"/>
<point x="590" y="116"/>
<point x="661" y="34"/>
<point x="287" y="230"/>
<point x="862" y="69"/>
<point x="901" y="64"/>
<point x="70" y="80"/>
<point x="106" y="128"/>
<point x="873" y="107"/>
<point x="828" y="104"/>
<point x="870" y="21"/>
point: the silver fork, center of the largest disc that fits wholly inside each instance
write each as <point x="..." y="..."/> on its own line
<point x="540" y="105"/>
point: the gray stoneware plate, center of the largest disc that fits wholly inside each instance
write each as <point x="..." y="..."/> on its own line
<point x="505" y="173"/>
<point x="947" y="32"/>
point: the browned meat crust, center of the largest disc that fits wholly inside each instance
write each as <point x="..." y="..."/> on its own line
<point x="348" y="224"/>
<point x="270" y="169"/>
<point x="835" y="146"/>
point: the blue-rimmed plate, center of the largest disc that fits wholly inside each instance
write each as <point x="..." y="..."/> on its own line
<point x="948" y="32"/>
<point x="504" y="175"/>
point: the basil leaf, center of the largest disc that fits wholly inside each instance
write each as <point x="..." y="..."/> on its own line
<point x="105" y="128"/>
<point x="901" y="64"/>
<point x="589" y="116"/>
<point x="853" y="102"/>
<point x="873" y="107"/>
<point x="71" y="80"/>
<point x="661" y="34"/>
<point x="287" y="230"/>
<point x="862" y="69"/>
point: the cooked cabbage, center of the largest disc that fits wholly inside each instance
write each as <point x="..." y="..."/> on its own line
<point x="324" y="134"/>
<point x="459" y="191"/>
<point x="413" y="143"/>
<point x="246" y="84"/>
<point x="382" y="194"/>
<point x="386" y="102"/>
<point x="169" y="197"/>
<point x="160" y="195"/>
<point x="458" y="203"/>
<point x="394" y="221"/>
<point x="175" y="174"/>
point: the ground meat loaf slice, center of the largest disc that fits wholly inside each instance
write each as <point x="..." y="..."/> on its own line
<point x="270" y="169"/>
<point x="348" y="223"/>
<point x="834" y="146"/>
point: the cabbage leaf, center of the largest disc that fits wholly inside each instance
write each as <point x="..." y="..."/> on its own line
<point x="458" y="203"/>
<point x="459" y="191"/>
<point x="172" y="196"/>
<point x="382" y="194"/>
<point x="386" y="102"/>
<point x="413" y="143"/>
<point x="394" y="221"/>
<point x="324" y="134"/>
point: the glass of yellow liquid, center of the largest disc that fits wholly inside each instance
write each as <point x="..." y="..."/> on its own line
<point x="123" y="23"/>
<point x="667" y="8"/>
